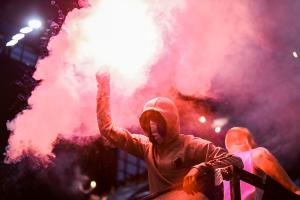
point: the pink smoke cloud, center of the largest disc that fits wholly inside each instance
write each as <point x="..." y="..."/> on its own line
<point x="121" y="35"/>
<point x="200" y="48"/>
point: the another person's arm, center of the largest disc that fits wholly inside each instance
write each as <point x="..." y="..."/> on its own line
<point x="265" y="161"/>
<point x="132" y="143"/>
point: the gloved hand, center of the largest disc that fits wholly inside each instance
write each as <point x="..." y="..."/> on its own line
<point x="196" y="178"/>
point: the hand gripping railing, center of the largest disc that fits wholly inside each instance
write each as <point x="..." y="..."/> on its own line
<point x="235" y="175"/>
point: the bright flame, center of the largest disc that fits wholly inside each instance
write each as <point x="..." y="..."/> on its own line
<point x="124" y="30"/>
<point x="218" y="129"/>
<point x="122" y="34"/>
<point x="11" y="43"/>
<point x="35" y="23"/>
<point x="93" y="184"/>
<point x="202" y="119"/>
<point x="18" y="36"/>
<point x="295" y="54"/>
<point x="26" y="30"/>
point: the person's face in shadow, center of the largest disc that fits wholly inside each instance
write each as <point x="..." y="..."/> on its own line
<point x="156" y="127"/>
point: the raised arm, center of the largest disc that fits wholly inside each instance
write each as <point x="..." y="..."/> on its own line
<point x="265" y="161"/>
<point x="132" y="143"/>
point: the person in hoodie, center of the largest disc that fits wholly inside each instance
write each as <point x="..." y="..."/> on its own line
<point x="257" y="160"/>
<point x="171" y="157"/>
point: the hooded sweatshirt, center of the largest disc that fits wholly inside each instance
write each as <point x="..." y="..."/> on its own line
<point x="168" y="163"/>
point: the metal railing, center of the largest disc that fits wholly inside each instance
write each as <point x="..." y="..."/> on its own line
<point x="268" y="185"/>
<point x="235" y="175"/>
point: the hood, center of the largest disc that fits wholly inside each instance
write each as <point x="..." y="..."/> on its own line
<point x="168" y="110"/>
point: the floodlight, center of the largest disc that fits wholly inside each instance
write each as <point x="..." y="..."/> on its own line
<point x="35" y="23"/>
<point x="26" y="30"/>
<point x="18" y="36"/>
<point x="11" y="43"/>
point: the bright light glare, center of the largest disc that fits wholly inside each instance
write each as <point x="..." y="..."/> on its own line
<point x="93" y="184"/>
<point x="130" y="34"/>
<point x="35" y="23"/>
<point x="220" y="122"/>
<point x="295" y="54"/>
<point x="11" y="43"/>
<point x="218" y="129"/>
<point x="202" y="119"/>
<point x="18" y="36"/>
<point x="26" y="30"/>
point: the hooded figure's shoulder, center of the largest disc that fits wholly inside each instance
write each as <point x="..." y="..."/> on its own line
<point x="192" y="138"/>
<point x="194" y="148"/>
<point x="191" y="141"/>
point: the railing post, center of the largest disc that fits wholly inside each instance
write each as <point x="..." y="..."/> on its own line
<point x="235" y="190"/>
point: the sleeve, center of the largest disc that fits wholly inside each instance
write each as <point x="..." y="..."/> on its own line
<point x="214" y="157"/>
<point x="132" y="143"/>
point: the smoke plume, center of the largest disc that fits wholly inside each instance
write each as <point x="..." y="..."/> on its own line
<point x="235" y="51"/>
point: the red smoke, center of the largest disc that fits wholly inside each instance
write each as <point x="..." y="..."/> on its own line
<point x="198" y="47"/>
<point x="120" y="36"/>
